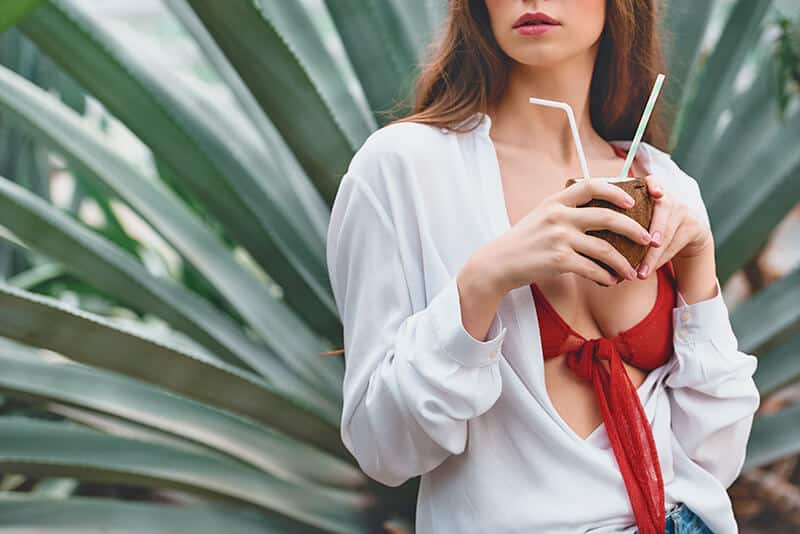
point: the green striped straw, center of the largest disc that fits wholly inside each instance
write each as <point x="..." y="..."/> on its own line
<point x="648" y="109"/>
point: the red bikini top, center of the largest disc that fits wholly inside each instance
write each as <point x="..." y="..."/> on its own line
<point x="647" y="344"/>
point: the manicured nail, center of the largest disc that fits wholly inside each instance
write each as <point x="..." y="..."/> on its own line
<point x="657" y="237"/>
<point x="629" y="201"/>
<point x="644" y="269"/>
<point x="646" y="236"/>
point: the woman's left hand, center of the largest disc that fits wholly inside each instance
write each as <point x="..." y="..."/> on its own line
<point x="676" y="233"/>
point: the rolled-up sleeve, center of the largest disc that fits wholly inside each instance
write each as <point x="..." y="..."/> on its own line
<point x="712" y="393"/>
<point x="412" y="378"/>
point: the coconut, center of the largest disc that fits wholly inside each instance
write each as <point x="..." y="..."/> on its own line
<point x="641" y="212"/>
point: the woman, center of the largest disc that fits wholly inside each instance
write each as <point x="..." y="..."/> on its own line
<point x="485" y="351"/>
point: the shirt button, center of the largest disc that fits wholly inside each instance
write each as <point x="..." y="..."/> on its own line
<point x="683" y="333"/>
<point x="494" y="353"/>
<point x="685" y="315"/>
<point x="444" y="130"/>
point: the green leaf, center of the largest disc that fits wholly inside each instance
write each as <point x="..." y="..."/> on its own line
<point x="57" y="448"/>
<point x="94" y="340"/>
<point x="773" y="437"/>
<point x="769" y="317"/>
<point x="740" y="34"/>
<point x="297" y="83"/>
<point x="35" y="276"/>
<point x="265" y="449"/>
<point x="112" y="228"/>
<point x="114" y="271"/>
<point x="213" y="157"/>
<point x="60" y="488"/>
<point x="286" y="335"/>
<point x="381" y="39"/>
<point x="304" y="207"/>
<point x="787" y="54"/>
<point x="88" y="515"/>
<point x="12" y="12"/>
<point x="684" y="28"/>
<point x="779" y="367"/>
<point x="756" y="197"/>
<point x="754" y="118"/>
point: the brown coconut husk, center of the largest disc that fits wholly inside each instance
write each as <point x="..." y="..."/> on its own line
<point x="641" y="211"/>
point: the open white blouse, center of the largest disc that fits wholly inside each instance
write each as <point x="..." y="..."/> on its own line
<point x="424" y="397"/>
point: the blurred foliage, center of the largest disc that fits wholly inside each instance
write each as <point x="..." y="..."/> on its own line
<point x="787" y="51"/>
<point x="161" y="329"/>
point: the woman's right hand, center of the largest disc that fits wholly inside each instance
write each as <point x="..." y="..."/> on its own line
<point x="550" y="239"/>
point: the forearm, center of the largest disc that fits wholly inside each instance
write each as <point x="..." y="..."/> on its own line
<point x="479" y="296"/>
<point x="697" y="276"/>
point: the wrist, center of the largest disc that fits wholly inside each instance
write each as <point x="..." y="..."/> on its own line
<point x="701" y="247"/>
<point x="483" y="277"/>
<point x="696" y="277"/>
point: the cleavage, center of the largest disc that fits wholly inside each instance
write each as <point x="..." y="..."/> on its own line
<point x="572" y="397"/>
<point x="594" y="311"/>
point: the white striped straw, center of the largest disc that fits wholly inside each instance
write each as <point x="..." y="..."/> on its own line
<point x="573" y="126"/>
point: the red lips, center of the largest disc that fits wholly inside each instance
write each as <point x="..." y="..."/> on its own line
<point x="534" y="18"/>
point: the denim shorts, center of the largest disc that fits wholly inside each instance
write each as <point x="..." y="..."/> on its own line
<point x="681" y="520"/>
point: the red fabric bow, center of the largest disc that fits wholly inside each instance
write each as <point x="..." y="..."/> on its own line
<point x="628" y="430"/>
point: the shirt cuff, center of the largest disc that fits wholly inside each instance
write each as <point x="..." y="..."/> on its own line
<point x="455" y="340"/>
<point x="704" y="320"/>
<point x="704" y="323"/>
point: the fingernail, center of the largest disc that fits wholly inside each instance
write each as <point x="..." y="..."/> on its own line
<point x="644" y="269"/>
<point x="629" y="201"/>
<point x="632" y="274"/>
<point x="646" y="236"/>
<point x="657" y="237"/>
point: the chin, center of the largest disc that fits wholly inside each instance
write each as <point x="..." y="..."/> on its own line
<point x="541" y="60"/>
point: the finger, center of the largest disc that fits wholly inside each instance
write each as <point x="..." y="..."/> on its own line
<point x="662" y="211"/>
<point x="602" y="250"/>
<point x="645" y="267"/>
<point x="654" y="186"/>
<point x="597" y="218"/>
<point x="655" y="257"/>
<point x="586" y="268"/>
<point x="585" y="189"/>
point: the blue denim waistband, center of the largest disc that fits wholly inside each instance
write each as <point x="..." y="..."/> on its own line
<point x="682" y="520"/>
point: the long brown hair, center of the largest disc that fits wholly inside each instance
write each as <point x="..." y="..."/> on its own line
<point x="468" y="70"/>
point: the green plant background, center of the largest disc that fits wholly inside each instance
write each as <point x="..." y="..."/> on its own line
<point x="162" y="330"/>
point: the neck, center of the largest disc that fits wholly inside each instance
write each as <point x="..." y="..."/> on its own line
<point x="518" y="122"/>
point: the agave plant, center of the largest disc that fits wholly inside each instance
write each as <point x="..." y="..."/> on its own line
<point x="203" y="382"/>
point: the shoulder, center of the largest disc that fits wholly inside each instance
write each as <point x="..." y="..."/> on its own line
<point x="394" y="164"/>
<point x="394" y="151"/>
<point x="389" y="166"/>
<point x="682" y="185"/>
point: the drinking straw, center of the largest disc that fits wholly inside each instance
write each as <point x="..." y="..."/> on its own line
<point x="648" y="109"/>
<point x="573" y="126"/>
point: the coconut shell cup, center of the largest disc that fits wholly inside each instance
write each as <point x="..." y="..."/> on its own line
<point x="641" y="211"/>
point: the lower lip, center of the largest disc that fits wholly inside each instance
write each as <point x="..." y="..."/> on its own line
<point x="535" y="29"/>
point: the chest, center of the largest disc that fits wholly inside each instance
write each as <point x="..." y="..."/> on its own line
<point x="592" y="310"/>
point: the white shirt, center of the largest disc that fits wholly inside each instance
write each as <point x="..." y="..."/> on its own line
<point x="424" y="397"/>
